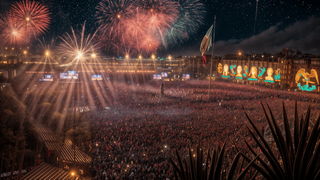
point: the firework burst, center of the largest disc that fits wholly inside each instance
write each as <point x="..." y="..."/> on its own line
<point x="12" y="30"/>
<point x="78" y="47"/>
<point x="112" y="15"/>
<point x="33" y="15"/>
<point x="190" y="17"/>
<point x="145" y="26"/>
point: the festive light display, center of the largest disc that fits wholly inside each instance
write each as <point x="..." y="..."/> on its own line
<point x="306" y="78"/>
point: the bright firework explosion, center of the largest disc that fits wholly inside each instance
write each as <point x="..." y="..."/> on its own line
<point x="11" y="28"/>
<point x="33" y="15"/>
<point x="77" y="47"/>
<point x="190" y="17"/>
<point x="112" y="15"/>
<point x="147" y="25"/>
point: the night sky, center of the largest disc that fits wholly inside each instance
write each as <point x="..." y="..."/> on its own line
<point x="293" y="24"/>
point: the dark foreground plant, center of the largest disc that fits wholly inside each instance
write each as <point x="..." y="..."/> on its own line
<point x="198" y="167"/>
<point x="299" y="154"/>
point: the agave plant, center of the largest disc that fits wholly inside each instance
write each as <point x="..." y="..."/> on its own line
<point x="194" y="167"/>
<point x="299" y="154"/>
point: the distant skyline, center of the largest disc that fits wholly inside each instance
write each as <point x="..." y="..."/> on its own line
<point x="292" y="24"/>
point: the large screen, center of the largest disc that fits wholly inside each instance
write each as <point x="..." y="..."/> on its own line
<point x="48" y="77"/>
<point x="157" y="76"/>
<point x="69" y="75"/>
<point x="185" y="76"/>
<point x="164" y="74"/>
<point x="96" y="77"/>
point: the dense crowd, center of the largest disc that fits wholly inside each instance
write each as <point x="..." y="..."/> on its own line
<point x="136" y="131"/>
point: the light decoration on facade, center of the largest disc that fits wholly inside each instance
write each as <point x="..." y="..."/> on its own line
<point x="306" y="78"/>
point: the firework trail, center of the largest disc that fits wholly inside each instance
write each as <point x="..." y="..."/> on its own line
<point x="255" y="19"/>
<point x="33" y="15"/>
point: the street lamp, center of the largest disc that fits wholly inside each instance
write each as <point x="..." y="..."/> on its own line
<point x="140" y="57"/>
<point x="153" y="56"/>
<point x="25" y="52"/>
<point x="47" y="53"/>
<point x="93" y="55"/>
<point x="28" y="19"/>
<point x="118" y="16"/>
<point x="127" y="56"/>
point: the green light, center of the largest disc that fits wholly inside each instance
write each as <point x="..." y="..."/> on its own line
<point x="263" y="70"/>
<point x="270" y="81"/>
<point x="307" y="88"/>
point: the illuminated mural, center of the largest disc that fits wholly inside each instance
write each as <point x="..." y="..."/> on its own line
<point x="277" y="77"/>
<point x="233" y="73"/>
<point x="262" y="70"/>
<point x="306" y="80"/>
<point x="239" y="72"/>
<point x="253" y="74"/>
<point x="225" y="71"/>
<point x="245" y="71"/>
<point x="219" y="68"/>
<point x="269" y="77"/>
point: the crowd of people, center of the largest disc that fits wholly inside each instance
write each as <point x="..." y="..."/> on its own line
<point x="137" y="131"/>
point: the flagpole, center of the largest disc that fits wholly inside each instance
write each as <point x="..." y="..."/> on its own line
<point x="214" y="33"/>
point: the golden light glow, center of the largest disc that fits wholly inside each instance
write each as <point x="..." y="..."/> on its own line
<point x="140" y="57"/>
<point x="28" y="19"/>
<point x="239" y="53"/>
<point x="6" y="47"/>
<point x="253" y="73"/>
<point x="219" y="68"/>
<point x="269" y="73"/>
<point x="239" y="71"/>
<point x="307" y="79"/>
<point x="93" y="55"/>
<point x="151" y="10"/>
<point x="118" y="16"/>
<point x="169" y="57"/>
<point x="79" y="55"/>
<point x="226" y="70"/>
<point x="72" y="173"/>
<point x="306" y="76"/>
<point x="153" y="56"/>
<point x="47" y="53"/>
<point x="262" y="55"/>
<point x="24" y="52"/>
<point x="12" y="48"/>
<point x="127" y="56"/>
<point x="14" y="32"/>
